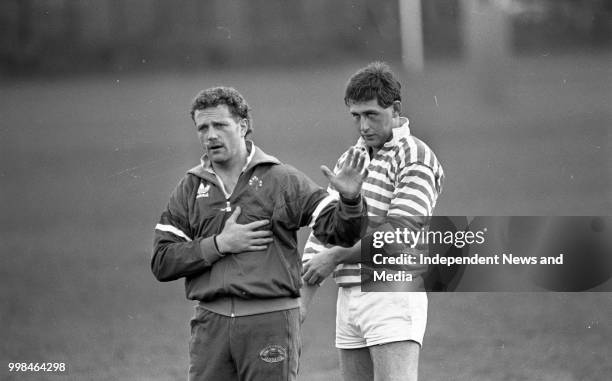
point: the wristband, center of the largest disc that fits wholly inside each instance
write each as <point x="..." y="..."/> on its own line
<point x="216" y="244"/>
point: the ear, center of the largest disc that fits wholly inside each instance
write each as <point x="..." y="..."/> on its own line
<point x="397" y="108"/>
<point x="244" y="127"/>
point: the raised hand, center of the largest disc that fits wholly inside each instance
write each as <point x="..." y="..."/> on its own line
<point x="350" y="176"/>
<point x="238" y="238"/>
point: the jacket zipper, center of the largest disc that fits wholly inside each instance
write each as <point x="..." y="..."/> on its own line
<point x="228" y="205"/>
<point x="227" y="209"/>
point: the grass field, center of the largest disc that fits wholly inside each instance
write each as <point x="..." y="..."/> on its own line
<point x="87" y="164"/>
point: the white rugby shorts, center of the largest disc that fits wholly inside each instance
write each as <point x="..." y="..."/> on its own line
<point x="365" y="319"/>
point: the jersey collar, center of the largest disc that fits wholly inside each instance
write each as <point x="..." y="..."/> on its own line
<point x="403" y="131"/>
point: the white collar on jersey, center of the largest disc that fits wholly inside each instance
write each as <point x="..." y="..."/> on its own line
<point x="403" y="131"/>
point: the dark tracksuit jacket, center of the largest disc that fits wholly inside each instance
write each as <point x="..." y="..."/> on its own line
<point x="250" y="282"/>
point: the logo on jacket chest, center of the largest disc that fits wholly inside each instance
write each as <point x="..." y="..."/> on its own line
<point x="203" y="191"/>
<point x="255" y="182"/>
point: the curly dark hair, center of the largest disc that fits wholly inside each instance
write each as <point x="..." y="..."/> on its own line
<point x="223" y="95"/>
<point x="375" y="81"/>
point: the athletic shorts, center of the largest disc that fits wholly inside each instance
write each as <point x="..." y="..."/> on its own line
<point x="261" y="347"/>
<point x="365" y="319"/>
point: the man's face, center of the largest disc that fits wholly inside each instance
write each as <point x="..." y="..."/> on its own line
<point x="220" y="134"/>
<point x="374" y="123"/>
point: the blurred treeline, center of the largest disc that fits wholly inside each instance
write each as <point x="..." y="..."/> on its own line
<point x="77" y="35"/>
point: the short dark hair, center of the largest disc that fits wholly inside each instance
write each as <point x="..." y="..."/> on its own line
<point x="223" y="95"/>
<point x="375" y="81"/>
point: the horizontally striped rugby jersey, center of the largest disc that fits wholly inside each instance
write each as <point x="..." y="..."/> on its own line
<point x="403" y="184"/>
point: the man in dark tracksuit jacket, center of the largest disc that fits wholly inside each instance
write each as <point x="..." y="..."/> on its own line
<point x="230" y="230"/>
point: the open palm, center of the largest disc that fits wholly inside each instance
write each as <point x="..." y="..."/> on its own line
<point x="350" y="175"/>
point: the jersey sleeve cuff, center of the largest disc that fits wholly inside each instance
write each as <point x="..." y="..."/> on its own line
<point x="352" y="207"/>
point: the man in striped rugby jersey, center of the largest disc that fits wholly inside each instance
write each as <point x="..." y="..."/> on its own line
<point x="379" y="334"/>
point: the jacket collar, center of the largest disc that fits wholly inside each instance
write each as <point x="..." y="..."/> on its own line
<point x="256" y="157"/>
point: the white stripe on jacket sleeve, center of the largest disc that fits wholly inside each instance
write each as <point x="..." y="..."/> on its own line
<point x="322" y="204"/>
<point x="171" y="229"/>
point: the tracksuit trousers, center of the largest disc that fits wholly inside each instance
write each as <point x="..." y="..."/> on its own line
<point x="257" y="347"/>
